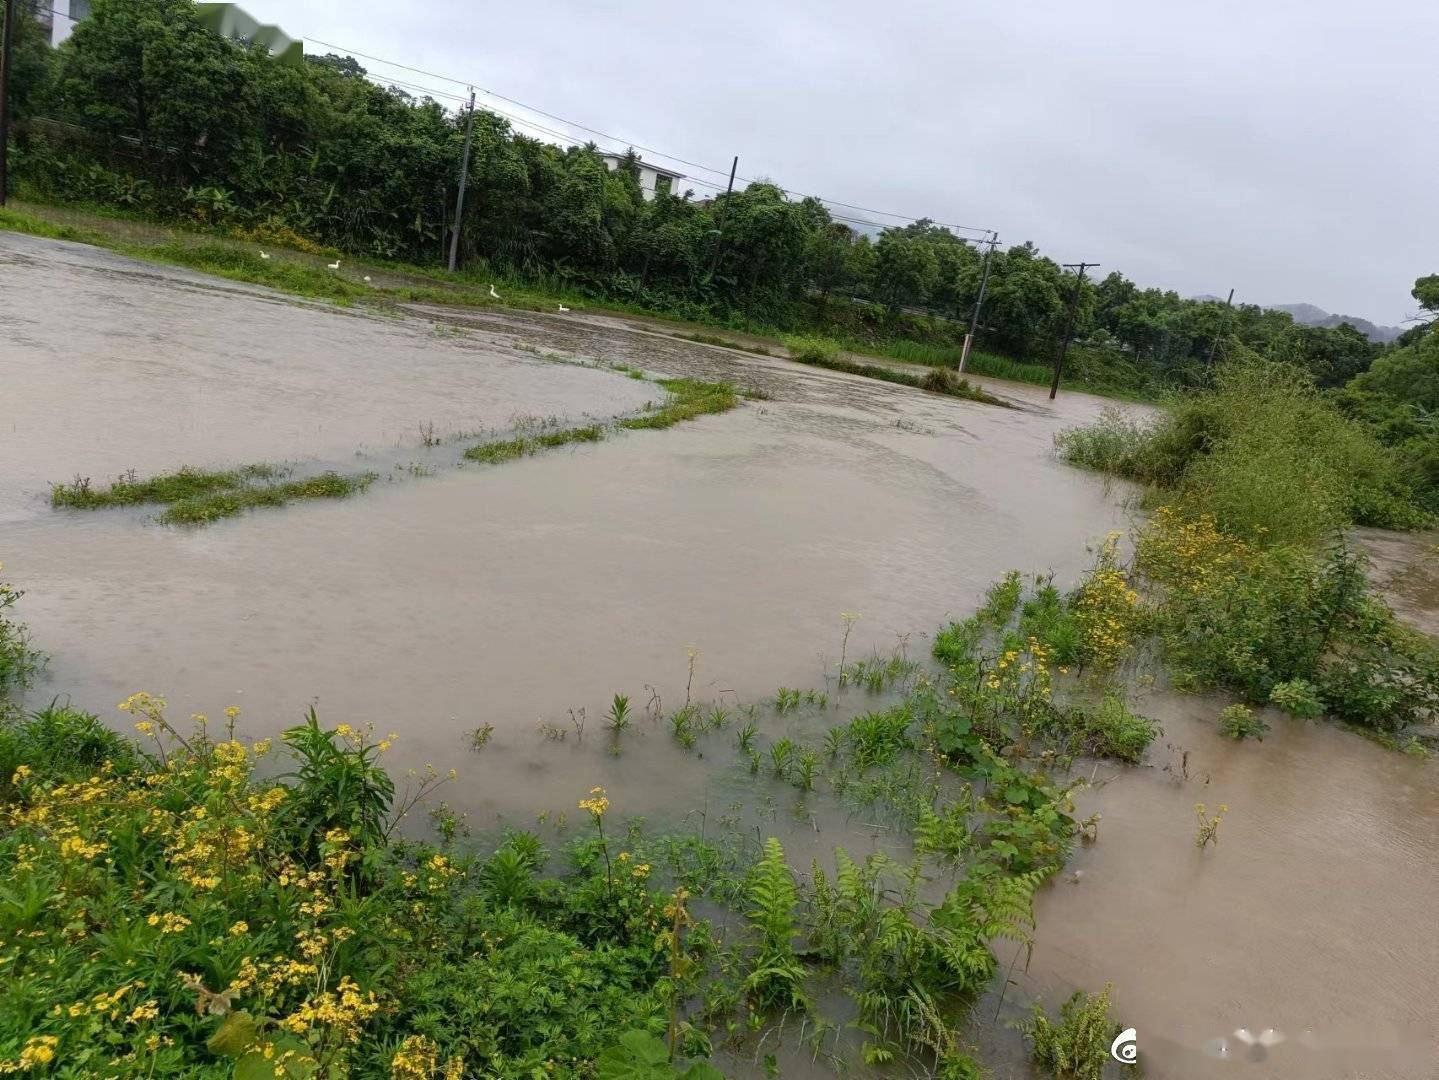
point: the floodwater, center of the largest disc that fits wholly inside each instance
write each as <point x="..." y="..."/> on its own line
<point x="523" y="596"/>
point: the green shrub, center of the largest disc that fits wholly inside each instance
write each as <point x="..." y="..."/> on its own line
<point x="1263" y="452"/>
<point x="1241" y="722"/>
<point x="1112" y="730"/>
<point x="811" y="350"/>
<point x="1297" y="697"/>
<point x="1077" y="1047"/>
<point x="18" y="661"/>
<point x="1115" y="443"/>
<point x="226" y="917"/>
<point x="1249" y="618"/>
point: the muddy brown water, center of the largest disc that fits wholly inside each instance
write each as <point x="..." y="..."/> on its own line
<point x="512" y="595"/>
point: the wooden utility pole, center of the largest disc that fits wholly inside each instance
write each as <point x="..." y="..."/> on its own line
<point x="1068" y="323"/>
<point x="1209" y="360"/>
<point x="723" y="211"/>
<point x="464" y="173"/>
<point x="5" y="50"/>
<point x="978" y="303"/>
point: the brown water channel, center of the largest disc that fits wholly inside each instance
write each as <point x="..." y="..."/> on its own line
<point x="511" y="595"/>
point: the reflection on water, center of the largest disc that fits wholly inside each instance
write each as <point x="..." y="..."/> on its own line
<point x="511" y="595"/>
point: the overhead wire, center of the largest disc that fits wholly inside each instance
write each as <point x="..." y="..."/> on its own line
<point x="628" y="143"/>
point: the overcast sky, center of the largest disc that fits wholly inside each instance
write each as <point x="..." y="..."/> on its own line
<point x="1290" y="150"/>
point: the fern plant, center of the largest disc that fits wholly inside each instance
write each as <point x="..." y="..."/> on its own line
<point x="776" y="977"/>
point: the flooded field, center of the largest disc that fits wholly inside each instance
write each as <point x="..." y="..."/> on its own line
<point x="523" y="596"/>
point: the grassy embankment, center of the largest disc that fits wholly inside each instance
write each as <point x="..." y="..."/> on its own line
<point x="1257" y="588"/>
<point x="820" y="352"/>
<point x="304" y="274"/>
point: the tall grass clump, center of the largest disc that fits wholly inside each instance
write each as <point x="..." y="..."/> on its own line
<point x="809" y="349"/>
<point x="18" y="661"/>
<point x="1261" y="451"/>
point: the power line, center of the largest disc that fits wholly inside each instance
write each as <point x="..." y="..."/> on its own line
<point x="644" y="149"/>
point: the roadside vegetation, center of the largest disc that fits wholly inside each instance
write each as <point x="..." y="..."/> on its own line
<point x="334" y="166"/>
<point x="1254" y="583"/>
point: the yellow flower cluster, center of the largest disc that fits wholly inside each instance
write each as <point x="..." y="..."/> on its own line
<point x="1189" y="554"/>
<point x="418" y="1058"/>
<point x="169" y="922"/>
<point x="342" y="1011"/>
<point x="1107" y="609"/>
<point x="597" y="803"/>
<point x="38" y="1052"/>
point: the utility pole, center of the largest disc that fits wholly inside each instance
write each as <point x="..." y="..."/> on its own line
<point x="1068" y="323"/>
<point x="1209" y="360"/>
<point x="724" y="210"/>
<point x="5" y="51"/>
<point x="978" y="303"/>
<point x="464" y="172"/>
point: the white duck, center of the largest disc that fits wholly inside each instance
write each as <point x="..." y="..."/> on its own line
<point x="493" y="295"/>
<point x="367" y="279"/>
<point x="334" y="265"/>
<point x="564" y="310"/>
<point x="264" y="254"/>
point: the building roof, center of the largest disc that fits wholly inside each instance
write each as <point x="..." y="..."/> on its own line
<point x="660" y="169"/>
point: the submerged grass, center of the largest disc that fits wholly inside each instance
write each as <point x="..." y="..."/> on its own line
<point x="197" y="496"/>
<point x="187" y="483"/>
<point x="688" y="398"/>
<point x="202" y="509"/>
<point x="502" y="450"/>
<point x="820" y="352"/>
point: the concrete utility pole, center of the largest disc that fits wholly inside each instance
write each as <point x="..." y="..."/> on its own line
<point x="724" y="210"/>
<point x="1068" y="323"/>
<point x="1209" y="360"/>
<point x="464" y="172"/>
<point x="978" y="302"/>
<point x="5" y="51"/>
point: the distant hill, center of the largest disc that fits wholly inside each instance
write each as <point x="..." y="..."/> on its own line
<point x="1309" y="315"/>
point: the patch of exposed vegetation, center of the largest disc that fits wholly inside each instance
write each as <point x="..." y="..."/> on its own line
<point x="18" y="660"/>
<point x="820" y="352"/>
<point x="501" y="450"/>
<point x="199" y="496"/>
<point x="688" y="399"/>
<point x="685" y="400"/>
<point x="1251" y="583"/>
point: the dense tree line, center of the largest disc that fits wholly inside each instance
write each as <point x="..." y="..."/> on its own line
<point x="144" y="108"/>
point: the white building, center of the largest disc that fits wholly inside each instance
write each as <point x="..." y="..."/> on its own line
<point x="227" y="20"/>
<point x="653" y="179"/>
<point x="60" y="16"/>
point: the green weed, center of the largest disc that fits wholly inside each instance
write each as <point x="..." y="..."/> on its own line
<point x="502" y="450"/>
<point x="1240" y="722"/>
<point x="197" y="496"/>
<point x="689" y="398"/>
<point x="1077" y="1047"/>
